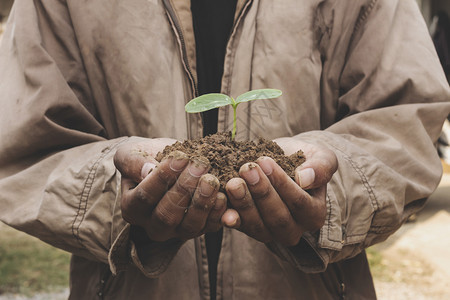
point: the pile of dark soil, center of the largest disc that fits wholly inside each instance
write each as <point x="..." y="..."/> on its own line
<point x="227" y="156"/>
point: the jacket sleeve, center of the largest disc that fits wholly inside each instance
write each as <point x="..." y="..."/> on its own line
<point x="57" y="177"/>
<point x="392" y="99"/>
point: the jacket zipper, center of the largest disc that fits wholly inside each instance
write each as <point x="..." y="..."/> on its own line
<point x="176" y="24"/>
<point x="174" y="21"/>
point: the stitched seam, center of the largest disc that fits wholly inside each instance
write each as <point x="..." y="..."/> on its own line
<point x="365" y="181"/>
<point x="382" y="229"/>
<point x="83" y="200"/>
<point x="366" y="185"/>
<point x="86" y="192"/>
<point x="329" y="220"/>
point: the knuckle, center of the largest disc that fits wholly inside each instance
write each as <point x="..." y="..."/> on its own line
<point x="326" y="168"/>
<point x="185" y="186"/>
<point x="261" y="193"/>
<point x="165" y="217"/>
<point x="140" y="195"/>
<point x="243" y="205"/>
<point x="333" y="161"/>
<point x="174" y="196"/>
<point x="282" y="222"/>
<point x="164" y="177"/>
<point x="119" y="156"/>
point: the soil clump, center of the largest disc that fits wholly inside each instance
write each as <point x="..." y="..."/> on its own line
<point x="227" y="156"/>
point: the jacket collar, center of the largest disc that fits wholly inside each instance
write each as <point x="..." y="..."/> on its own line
<point x="179" y="12"/>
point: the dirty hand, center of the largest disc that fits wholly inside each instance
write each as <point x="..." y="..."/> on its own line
<point x="172" y="199"/>
<point x="270" y="207"/>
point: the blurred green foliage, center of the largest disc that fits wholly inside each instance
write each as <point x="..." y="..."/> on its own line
<point x="28" y="265"/>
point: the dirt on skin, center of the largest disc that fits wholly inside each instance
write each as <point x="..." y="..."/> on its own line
<point x="227" y="156"/>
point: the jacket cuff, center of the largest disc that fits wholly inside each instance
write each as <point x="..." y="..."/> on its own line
<point x="151" y="258"/>
<point x="318" y="249"/>
<point x="332" y="242"/>
<point x="329" y="244"/>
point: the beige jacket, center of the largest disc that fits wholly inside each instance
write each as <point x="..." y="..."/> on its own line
<point x="77" y="78"/>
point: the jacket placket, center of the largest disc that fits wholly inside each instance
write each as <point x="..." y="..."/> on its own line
<point x="172" y="7"/>
<point x="188" y="64"/>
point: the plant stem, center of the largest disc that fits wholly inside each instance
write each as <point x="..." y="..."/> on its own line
<point x="233" y="133"/>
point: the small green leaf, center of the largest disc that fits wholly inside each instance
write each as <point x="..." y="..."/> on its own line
<point x="258" y="95"/>
<point x="207" y="102"/>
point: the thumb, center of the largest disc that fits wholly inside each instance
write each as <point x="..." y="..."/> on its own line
<point x="316" y="171"/>
<point x="134" y="163"/>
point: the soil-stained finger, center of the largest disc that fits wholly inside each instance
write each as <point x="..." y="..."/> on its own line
<point x="307" y="209"/>
<point x="274" y="212"/>
<point x="169" y="212"/>
<point x="213" y="223"/>
<point x="155" y="185"/>
<point x="129" y="160"/>
<point x="134" y="212"/>
<point x="241" y="200"/>
<point x="202" y="203"/>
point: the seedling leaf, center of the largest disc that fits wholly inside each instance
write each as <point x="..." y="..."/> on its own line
<point x="207" y="102"/>
<point x="258" y="95"/>
<point x="215" y="100"/>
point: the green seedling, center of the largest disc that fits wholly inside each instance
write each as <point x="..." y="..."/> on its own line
<point x="215" y="100"/>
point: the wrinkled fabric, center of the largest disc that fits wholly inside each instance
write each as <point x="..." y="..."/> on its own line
<point x="78" y="78"/>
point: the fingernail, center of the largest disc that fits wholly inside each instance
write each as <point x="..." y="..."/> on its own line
<point x="306" y="177"/>
<point x="265" y="164"/>
<point x="239" y="192"/>
<point x="147" y="168"/>
<point x="178" y="162"/>
<point x="197" y="167"/>
<point x="250" y="174"/>
<point x="207" y="187"/>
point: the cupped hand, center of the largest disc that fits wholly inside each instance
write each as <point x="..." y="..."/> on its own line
<point x="270" y="207"/>
<point x="175" y="198"/>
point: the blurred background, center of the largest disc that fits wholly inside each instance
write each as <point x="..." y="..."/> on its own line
<point x="5" y="7"/>
<point x="414" y="263"/>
